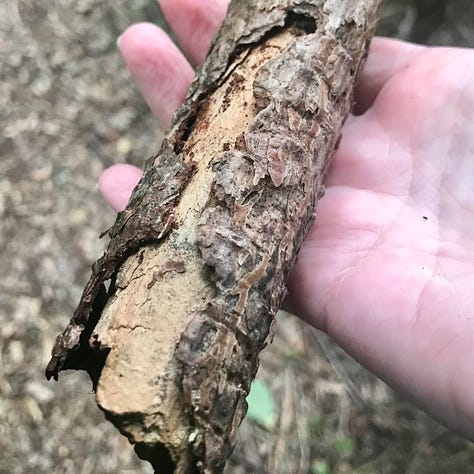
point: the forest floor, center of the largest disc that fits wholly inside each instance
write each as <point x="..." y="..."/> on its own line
<point x="68" y="110"/>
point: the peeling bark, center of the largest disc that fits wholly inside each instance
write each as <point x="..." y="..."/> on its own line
<point x="171" y="322"/>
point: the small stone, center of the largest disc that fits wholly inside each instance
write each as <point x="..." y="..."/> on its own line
<point x="122" y="119"/>
<point x="123" y="146"/>
<point x="34" y="410"/>
<point x="16" y="352"/>
<point x="77" y="216"/>
<point x="41" y="85"/>
<point x="42" y="174"/>
<point x="63" y="451"/>
<point x="39" y="391"/>
<point x="27" y="309"/>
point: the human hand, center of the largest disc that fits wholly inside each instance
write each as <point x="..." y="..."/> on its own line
<point x="388" y="268"/>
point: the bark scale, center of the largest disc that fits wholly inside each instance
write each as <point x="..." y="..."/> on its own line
<point x="171" y="322"/>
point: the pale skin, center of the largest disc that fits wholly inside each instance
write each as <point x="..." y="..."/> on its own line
<point x="388" y="267"/>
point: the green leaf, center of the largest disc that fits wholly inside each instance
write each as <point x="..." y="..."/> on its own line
<point x="315" y="424"/>
<point x="261" y="405"/>
<point x="345" y="446"/>
<point x="320" y="467"/>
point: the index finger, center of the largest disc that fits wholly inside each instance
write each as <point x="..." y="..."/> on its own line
<point x="194" y="22"/>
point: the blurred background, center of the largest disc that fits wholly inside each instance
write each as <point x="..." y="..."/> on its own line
<point x="68" y="110"/>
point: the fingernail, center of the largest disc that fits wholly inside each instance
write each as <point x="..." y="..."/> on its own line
<point x="119" y="39"/>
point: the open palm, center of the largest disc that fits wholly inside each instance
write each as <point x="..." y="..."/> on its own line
<point x="388" y="268"/>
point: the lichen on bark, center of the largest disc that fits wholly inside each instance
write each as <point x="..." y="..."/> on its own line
<point x="175" y="313"/>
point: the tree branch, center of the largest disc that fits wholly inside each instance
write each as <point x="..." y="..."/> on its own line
<point x="171" y="322"/>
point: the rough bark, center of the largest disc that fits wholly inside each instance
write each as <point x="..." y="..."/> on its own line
<point x="171" y="322"/>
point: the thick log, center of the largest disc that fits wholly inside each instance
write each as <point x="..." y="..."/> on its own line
<point x="171" y="322"/>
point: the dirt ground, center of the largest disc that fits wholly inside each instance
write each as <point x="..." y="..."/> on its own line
<point x="69" y="110"/>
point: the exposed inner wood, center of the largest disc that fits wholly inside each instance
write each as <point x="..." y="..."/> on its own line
<point x="146" y="318"/>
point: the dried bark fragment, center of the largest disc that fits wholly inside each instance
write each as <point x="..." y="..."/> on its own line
<point x="174" y="315"/>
